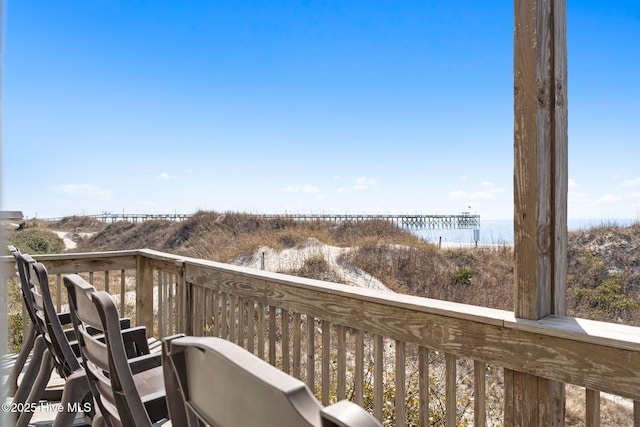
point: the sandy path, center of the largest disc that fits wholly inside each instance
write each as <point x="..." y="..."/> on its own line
<point x="294" y="258"/>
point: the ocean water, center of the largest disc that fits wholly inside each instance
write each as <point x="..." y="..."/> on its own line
<point x="500" y="232"/>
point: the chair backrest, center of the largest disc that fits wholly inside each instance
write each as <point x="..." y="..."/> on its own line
<point x="64" y="358"/>
<point x="224" y="385"/>
<point x="80" y="292"/>
<point x="105" y="359"/>
<point x="22" y="265"/>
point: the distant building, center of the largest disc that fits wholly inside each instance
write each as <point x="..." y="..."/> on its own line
<point x="11" y="216"/>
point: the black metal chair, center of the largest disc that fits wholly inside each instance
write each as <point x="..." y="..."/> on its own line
<point x="33" y="345"/>
<point x="62" y="351"/>
<point x="211" y="381"/>
<point x="128" y="392"/>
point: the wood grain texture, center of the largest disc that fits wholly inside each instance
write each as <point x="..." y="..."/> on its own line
<point x="479" y="394"/>
<point x="540" y="157"/>
<point x="592" y="408"/>
<point x="144" y="294"/>
<point x="540" y="188"/>
<point x="587" y="353"/>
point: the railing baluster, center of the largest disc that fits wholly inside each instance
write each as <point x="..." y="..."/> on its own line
<point x="241" y="313"/>
<point x="261" y="330"/>
<point x="91" y="278"/>
<point x="59" y="292"/>
<point x="400" y="383"/>
<point x="251" y="321"/>
<point x="232" y="317"/>
<point x="378" y="377"/>
<point x="224" y="317"/>
<point x="636" y="413"/>
<point x="358" y="380"/>
<point x="182" y="304"/>
<point x="479" y="393"/>
<point x="272" y="335"/>
<point x="106" y="281"/>
<point x="423" y="385"/>
<point x="326" y="354"/>
<point x="286" y="359"/>
<point x="341" y="392"/>
<point x="297" y="344"/>
<point x="171" y="312"/>
<point x="311" y="353"/>
<point x="215" y="312"/>
<point x="592" y="416"/>
<point x="202" y="298"/>
<point x="160" y="288"/>
<point x="450" y="394"/>
<point x="123" y="291"/>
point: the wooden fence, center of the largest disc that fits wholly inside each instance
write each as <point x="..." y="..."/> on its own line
<point x="409" y="360"/>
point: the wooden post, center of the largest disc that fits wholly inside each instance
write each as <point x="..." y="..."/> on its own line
<point x="144" y="294"/>
<point x="540" y="193"/>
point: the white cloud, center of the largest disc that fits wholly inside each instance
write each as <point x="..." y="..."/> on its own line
<point x="615" y="198"/>
<point x="310" y="189"/>
<point x="363" y="183"/>
<point x="572" y="183"/>
<point x="487" y="193"/>
<point x="83" y="191"/>
<point x="458" y="194"/>
<point x="301" y="189"/>
<point x="630" y="183"/>
<point x="165" y="175"/>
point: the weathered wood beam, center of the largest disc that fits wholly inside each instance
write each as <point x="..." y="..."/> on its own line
<point x="144" y="294"/>
<point x="540" y="158"/>
<point x="540" y="193"/>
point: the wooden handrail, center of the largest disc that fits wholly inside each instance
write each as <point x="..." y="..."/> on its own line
<point x="202" y="297"/>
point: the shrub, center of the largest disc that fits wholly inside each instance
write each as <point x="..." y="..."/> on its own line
<point x="35" y="241"/>
<point x="463" y="276"/>
<point x="316" y="267"/>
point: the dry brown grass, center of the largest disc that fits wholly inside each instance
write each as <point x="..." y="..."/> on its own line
<point x="481" y="276"/>
<point x="604" y="278"/>
<point x="604" y="273"/>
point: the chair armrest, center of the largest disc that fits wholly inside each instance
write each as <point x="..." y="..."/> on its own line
<point x="125" y="323"/>
<point x="135" y="341"/>
<point x="145" y="362"/>
<point x="70" y="334"/>
<point x="347" y="414"/>
<point x="65" y="318"/>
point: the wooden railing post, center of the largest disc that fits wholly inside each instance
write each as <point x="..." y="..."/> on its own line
<point x="144" y="294"/>
<point x="540" y="193"/>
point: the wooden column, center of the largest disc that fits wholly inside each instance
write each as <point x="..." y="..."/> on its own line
<point x="144" y="294"/>
<point x="540" y="193"/>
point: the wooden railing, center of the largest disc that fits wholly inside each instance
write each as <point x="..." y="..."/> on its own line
<point x="409" y="360"/>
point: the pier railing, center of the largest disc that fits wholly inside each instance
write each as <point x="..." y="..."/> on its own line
<point x="464" y="220"/>
<point x="409" y="360"/>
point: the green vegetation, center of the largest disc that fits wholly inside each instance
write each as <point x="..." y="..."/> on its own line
<point x="603" y="280"/>
<point x="36" y="241"/>
<point x="603" y="274"/>
<point x="463" y="276"/>
<point x="596" y="292"/>
<point x="316" y="267"/>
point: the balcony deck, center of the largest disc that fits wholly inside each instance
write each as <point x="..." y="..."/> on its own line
<point x="402" y="357"/>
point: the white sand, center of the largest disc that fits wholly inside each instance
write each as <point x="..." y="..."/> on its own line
<point x="294" y="258"/>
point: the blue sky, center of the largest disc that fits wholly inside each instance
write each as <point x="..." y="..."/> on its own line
<point x="301" y="106"/>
